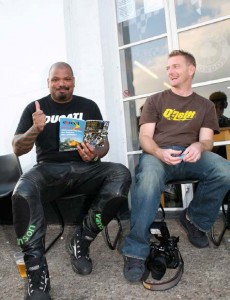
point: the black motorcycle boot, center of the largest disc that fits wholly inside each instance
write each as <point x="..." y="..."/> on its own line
<point x="79" y="249"/>
<point x="38" y="278"/>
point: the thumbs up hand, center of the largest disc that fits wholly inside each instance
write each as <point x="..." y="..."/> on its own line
<point x="37" y="106"/>
<point x="39" y="118"/>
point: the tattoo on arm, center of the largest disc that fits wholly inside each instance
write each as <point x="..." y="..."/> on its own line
<point x="23" y="143"/>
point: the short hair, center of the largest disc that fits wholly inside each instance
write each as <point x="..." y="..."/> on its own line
<point x="218" y="97"/>
<point x="61" y="64"/>
<point x="188" y="56"/>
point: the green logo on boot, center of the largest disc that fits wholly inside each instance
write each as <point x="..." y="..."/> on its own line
<point x="99" y="222"/>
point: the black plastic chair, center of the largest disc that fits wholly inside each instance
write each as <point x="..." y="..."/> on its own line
<point x="10" y="171"/>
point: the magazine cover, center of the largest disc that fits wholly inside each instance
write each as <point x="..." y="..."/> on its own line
<point x="75" y="131"/>
<point x="95" y="132"/>
<point x="71" y="133"/>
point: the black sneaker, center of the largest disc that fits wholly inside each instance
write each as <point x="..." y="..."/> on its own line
<point x="79" y="249"/>
<point x="134" y="269"/>
<point x="38" y="279"/>
<point x="196" y="237"/>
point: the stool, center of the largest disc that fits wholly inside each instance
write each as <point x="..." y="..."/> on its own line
<point x="226" y="213"/>
<point x="62" y="225"/>
<point x="59" y="215"/>
<point x="83" y="212"/>
<point x="105" y="232"/>
<point x="226" y="217"/>
<point x="179" y="182"/>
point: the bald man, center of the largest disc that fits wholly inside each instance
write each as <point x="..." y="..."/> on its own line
<point x="58" y="173"/>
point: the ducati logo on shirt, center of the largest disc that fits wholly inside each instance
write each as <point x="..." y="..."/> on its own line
<point x="55" y="118"/>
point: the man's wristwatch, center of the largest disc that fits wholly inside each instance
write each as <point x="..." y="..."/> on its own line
<point x="95" y="158"/>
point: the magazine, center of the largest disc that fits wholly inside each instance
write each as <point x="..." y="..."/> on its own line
<point x="75" y="131"/>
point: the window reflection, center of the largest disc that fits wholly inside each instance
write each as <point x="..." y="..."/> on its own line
<point x="190" y="12"/>
<point x="139" y="19"/>
<point x="143" y="68"/>
<point x="211" y="47"/>
<point x="207" y="90"/>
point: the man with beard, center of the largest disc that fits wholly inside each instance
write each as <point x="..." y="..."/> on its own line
<point x="58" y="173"/>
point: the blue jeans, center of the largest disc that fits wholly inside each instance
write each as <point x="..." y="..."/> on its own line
<point x="213" y="173"/>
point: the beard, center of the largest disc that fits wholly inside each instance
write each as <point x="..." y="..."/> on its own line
<point x="62" y="96"/>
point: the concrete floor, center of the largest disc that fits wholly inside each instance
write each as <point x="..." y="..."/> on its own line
<point x="206" y="275"/>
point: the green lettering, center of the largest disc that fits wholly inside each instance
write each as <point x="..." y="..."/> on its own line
<point x="99" y="222"/>
<point x="27" y="236"/>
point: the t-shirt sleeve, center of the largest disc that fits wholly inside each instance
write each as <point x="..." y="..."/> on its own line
<point x="149" y="112"/>
<point x="26" y="120"/>
<point x="98" y="115"/>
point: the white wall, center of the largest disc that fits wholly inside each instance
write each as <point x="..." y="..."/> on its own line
<point x="36" y="33"/>
<point x="32" y="36"/>
<point x="92" y="49"/>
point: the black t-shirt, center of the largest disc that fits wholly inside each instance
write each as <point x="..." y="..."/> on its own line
<point x="224" y="121"/>
<point x="47" y="142"/>
<point x="221" y="150"/>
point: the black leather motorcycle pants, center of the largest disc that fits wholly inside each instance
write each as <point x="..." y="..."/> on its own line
<point x="107" y="183"/>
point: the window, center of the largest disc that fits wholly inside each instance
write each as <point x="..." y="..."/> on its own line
<point x="148" y="30"/>
<point x="139" y="20"/>
<point x="191" y="12"/>
<point x="141" y="67"/>
<point x="210" y="44"/>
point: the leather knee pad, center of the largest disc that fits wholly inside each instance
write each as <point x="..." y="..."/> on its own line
<point x="24" y="230"/>
<point x="21" y="214"/>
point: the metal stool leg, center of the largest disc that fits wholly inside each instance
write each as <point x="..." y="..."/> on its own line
<point x="112" y="245"/>
<point x="226" y="216"/>
<point x="62" y="225"/>
<point x="163" y="211"/>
